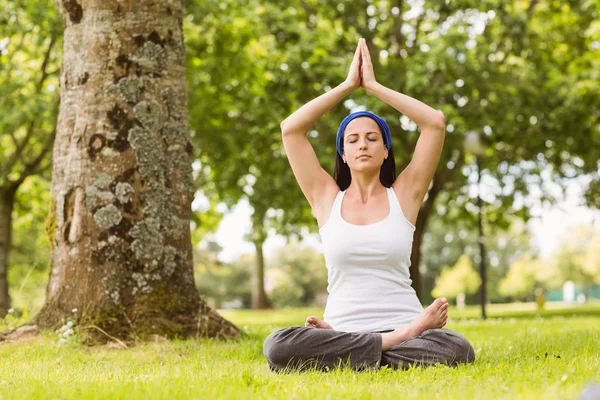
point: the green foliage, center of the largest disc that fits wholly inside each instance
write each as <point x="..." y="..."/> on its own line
<point x="218" y="282"/>
<point x="522" y="278"/>
<point x="298" y="277"/>
<point x="445" y="242"/>
<point x="238" y="95"/>
<point x="30" y="46"/>
<point x="575" y="260"/>
<point x="30" y="251"/>
<point x="30" y="41"/>
<point x="591" y="260"/>
<point x="461" y="278"/>
<point x="523" y="77"/>
<point x="203" y="221"/>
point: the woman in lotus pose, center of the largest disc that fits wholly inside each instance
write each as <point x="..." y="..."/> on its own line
<point x="366" y="218"/>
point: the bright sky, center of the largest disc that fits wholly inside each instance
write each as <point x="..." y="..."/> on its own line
<point x="547" y="227"/>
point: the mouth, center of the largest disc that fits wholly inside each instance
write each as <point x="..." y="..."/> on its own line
<point x="363" y="157"/>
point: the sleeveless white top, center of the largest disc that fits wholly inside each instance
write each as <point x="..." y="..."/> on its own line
<point x="368" y="271"/>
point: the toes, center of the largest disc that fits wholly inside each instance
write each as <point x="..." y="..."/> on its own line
<point x="437" y="303"/>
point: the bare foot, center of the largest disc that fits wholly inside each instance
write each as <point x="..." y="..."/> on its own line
<point x="434" y="317"/>
<point x="314" y="322"/>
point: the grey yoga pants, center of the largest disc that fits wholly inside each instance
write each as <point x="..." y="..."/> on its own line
<point x="298" y="348"/>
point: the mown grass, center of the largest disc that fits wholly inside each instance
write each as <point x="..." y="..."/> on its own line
<point x="519" y="355"/>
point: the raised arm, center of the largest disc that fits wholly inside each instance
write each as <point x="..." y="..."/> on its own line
<point x="314" y="181"/>
<point x="413" y="182"/>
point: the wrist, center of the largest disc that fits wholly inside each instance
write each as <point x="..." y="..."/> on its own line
<point x="372" y="87"/>
<point x="347" y="87"/>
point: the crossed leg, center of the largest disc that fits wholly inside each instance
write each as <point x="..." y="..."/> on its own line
<point x="421" y="342"/>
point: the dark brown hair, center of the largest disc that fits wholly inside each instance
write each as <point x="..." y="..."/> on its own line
<point x="387" y="173"/>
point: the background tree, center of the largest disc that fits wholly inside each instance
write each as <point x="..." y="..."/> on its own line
<point x="251" y="90"/>
<point x="591" y="261"/>
<point x="461" y="278"/>
<point x="450" y="236"/>
<point x="221" y="283"/>
<point x="299" y="277"/>
<point x="574" y="260"/>
<point x="122" y="178"/>
<point x="488" y="66"/>
<point x="522" y="278"/>
<point x="30" y="253"/>
<point x="30" y="38"/>
<point x="575" y="256"/>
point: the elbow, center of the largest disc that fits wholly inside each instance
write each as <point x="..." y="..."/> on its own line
<point x="439" y="123"/>
<point x="287" y="129"/>
<point x="284" y="127"/>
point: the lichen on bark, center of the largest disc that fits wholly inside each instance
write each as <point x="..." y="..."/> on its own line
<point x="123" y="190"/>
<point x="129" y="88"/>
<point x="149" y="114"/>
<point x="151" y="57"/>
<point x="108" y="216"/>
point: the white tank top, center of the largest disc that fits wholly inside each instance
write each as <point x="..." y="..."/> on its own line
<point x="368" y="271"/>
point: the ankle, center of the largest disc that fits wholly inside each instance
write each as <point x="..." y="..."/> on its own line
<point x="388" y="340"/>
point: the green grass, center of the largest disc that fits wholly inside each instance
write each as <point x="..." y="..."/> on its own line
<point x="519" y="355"/>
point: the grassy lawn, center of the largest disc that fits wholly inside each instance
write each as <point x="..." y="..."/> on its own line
<point x="519" y="355"/>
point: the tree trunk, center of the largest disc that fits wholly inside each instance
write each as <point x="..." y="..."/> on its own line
<point x="122" y="181"/>
<point x="421" y="226"/>
<point x="259" y="297"/>
<point x="480" y="241"/>
<point x="7" y="201"/>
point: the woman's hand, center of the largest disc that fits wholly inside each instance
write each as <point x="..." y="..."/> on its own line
<point x="366" y="67"/>
<point x="353" y="79"/>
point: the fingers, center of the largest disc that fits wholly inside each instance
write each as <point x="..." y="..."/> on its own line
<point x="364" y="51"/>
<point x="357" y="53"/>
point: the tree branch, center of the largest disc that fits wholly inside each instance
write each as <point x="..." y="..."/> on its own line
<point x="19" y="150"/>
<point x="47" y="55"/>
<point x="20" y="147"/>
<point x="397" y="27"/>
<point x="415" y="47"/>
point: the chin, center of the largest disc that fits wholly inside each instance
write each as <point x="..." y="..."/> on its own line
<point x="366" y="167"/>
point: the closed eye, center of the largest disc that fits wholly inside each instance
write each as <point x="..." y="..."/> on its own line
<point x="370" y="140"/>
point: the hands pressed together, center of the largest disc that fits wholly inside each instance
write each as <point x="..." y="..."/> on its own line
<point x="361" y="70"/>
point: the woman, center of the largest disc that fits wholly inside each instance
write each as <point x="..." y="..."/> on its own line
<point x="366" y="218"/>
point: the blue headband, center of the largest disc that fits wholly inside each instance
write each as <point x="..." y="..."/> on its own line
<point x="385" y="129"/>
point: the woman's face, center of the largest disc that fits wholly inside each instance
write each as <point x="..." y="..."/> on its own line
<point x="363" y="145"/>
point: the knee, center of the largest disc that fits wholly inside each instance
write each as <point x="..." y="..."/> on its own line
<point x="463" y="350"/>
<point x="278" y="349"/>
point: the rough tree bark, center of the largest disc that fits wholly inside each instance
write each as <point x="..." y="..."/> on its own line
<point x="122" y="181"/>
<point x="7" y="202"/>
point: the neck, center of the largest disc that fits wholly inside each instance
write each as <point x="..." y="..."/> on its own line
<point x="363" y="186"/>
